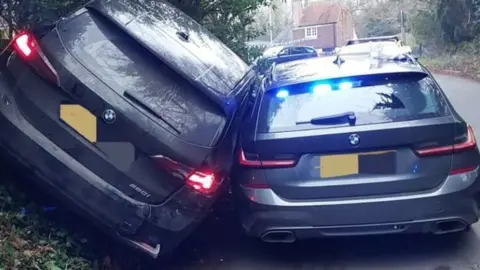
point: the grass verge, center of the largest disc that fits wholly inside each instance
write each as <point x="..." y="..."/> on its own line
<point x="30" y="240"/>
<point x="463" y="60"/>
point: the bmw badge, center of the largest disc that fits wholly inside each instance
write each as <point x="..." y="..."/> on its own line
<point x="354" y="139"/>
<point x="109" y="116"/>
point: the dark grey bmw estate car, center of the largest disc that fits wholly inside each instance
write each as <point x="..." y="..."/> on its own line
<point x="354" y="146"/>
<point x="129" y="111"/>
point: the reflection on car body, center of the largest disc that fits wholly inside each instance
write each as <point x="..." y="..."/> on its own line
<point x="127" y="119"/>
<point x="407" y="163"/>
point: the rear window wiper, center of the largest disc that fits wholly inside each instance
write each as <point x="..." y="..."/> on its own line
<point x="147" y="108"/>
<point x="334" y="119"/>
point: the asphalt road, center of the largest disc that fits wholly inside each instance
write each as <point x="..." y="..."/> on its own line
<point x="219" y="243"/>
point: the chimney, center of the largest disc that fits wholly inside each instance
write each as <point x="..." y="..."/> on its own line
<point x="297" y="11"/>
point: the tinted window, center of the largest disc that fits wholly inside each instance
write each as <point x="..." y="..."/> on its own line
<point x="125" y="66"/>
<point x="284" y="51"/>
<point x="272" y="51"/>
<point x="372" y="102"/>
<point x="298" y="50"/>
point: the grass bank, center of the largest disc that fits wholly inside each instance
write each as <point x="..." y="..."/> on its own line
<point x="35" y="233"/>
<point x="462" y="60"/>
<point x="31" y="240"/>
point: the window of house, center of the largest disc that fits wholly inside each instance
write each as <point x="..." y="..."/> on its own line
<point x="311" y="32"/>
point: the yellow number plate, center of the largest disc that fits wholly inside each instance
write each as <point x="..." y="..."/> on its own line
<point x="338" y="165"/>
<point x="80" y="119"/>
<point x="342" y="165"/>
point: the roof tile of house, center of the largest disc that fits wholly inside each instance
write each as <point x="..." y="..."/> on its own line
<point x="320" y="13"/>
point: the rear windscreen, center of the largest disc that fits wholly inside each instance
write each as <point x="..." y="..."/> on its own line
<point x="131" y="71"/>
<point x="372" y="100"/>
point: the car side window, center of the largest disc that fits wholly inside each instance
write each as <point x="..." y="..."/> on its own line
<point x="283" y="52"/>
<point x="310" y="50"/>
<point x="298" y="50"/>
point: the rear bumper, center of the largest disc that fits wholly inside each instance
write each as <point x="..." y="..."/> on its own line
<point x="154" y="229"/>
<point x="455" y="201"/>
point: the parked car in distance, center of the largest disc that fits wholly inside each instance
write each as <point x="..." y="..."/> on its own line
<point x="130" y="117"/>
<point x="358" y="147"/>
<point x="282" y="54"/>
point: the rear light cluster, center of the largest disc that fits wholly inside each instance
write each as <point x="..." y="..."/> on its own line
<point x="202" y="181"/>
<point x="27" y="48"/>
<point x="257" y="163"/>
<point x="468" y="144"/>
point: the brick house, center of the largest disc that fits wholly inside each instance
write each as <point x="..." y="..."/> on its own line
<point x="321" y="25"/>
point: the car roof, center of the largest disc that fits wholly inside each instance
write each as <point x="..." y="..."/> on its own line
<point x="325" y="68"/>
<point x="372" y="39"/>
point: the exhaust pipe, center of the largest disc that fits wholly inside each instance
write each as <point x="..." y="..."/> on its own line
<point x="450" y="226"/>
<point x="279" y="237"/>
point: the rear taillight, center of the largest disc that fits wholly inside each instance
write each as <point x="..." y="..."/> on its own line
<point x="202" y="181"/>
<point x="27" y="48"/>
<point x="256" y="162"/>
<point x="468" y="144"/>
<point x="24" y="45"/>
<point x="462" y="170"/>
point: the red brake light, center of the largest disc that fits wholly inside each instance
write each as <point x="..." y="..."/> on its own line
<point x="468" y="144"/>
<point x="26" y="46"/>
<point x="244" y="161"/>
<point x="200" y="181"/>
<point x="203" y="182"/>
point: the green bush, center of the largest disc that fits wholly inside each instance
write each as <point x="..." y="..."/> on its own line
<point x="463" y="58"/>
